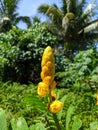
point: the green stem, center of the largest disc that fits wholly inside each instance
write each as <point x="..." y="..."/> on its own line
<point x="50" y="97"/>
<point x="56" y="122"/>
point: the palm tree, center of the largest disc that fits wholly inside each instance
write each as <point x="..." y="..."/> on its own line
<point x="73" y="23"/>
<point x="9" y="15"/>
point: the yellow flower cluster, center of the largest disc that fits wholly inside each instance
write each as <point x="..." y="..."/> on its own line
<point x="47" y="73"/>
<point x="48" y="83"/>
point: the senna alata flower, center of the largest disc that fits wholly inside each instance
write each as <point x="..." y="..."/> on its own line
<point x="55" y="106"/>
<point x="47" y="73"/>
<point x="43" y="89"/>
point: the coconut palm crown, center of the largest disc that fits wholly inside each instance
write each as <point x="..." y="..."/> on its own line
<point x="74" y="23"/>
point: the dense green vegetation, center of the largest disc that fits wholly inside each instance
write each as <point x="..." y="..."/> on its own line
<point x="21" y="51"/>
<point x="76" y="68"/>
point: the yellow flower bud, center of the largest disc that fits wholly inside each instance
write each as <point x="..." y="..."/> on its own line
<point x="97" y="97"/>
<point x="53" y="96"/>
<point x="97" y="103"/>
<point x="42" y="75"/>
<point x="52" y="85"/>
<point x="45" y="71"/>
<point x="48" y="80"/>
<point x="51" y="67"/>
<point x="43" y="89"/>
<point x="47" y="56"/>
<point x="97" y="100"/>
<point x="55" y="106"/>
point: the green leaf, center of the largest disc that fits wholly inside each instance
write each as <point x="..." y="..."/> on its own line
<point x="14" y="124"/>
<point x="20" y="124"/>
<point x="76" y="124"/>
<point x="68" y="116"/>
<point x="3" y="124"/>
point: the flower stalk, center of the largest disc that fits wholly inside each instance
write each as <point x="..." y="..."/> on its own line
<point x="48" y="84"/>
<point x="56" y="122"/>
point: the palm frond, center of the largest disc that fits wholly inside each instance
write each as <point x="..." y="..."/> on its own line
<point x="92" y="26"/>
<point x="2" y="7"/>
<point x="71" y="5"/>
<point x="11" y="6"/>
<point x="54" y="13"/>
<point x="50" y="10"/>
<point x="25" y="19"/>
<point x="43" y="8"/>
<point x="89" y="8"/>
<point x="79" y="8"/>
<point x="64" y="7"/>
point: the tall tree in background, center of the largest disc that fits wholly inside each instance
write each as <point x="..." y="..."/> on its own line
<point x="73" y="23"/>
<point x="9" y="15"/>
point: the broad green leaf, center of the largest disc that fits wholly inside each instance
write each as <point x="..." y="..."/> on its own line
<point x="21" y="124"/>
<point x="76" y="124"/>
<point x="68" y="116"/>
<point x="14" y="124"/>
<point x="3" y="124"/>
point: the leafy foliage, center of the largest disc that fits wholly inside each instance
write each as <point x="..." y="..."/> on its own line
<point x="80" y="85"/>
<point x="23" y="50"/>
<point x="81" y="70"/>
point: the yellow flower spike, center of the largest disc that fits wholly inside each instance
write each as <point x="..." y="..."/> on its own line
<point x="43" y="89"/>
<point x="47" y="73"/>
<point x="55" y="106"/>
<point x="48" y="84"/>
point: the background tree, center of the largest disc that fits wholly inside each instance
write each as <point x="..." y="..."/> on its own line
<point x="73" y="23"/>
<point x="9" y="15"/>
